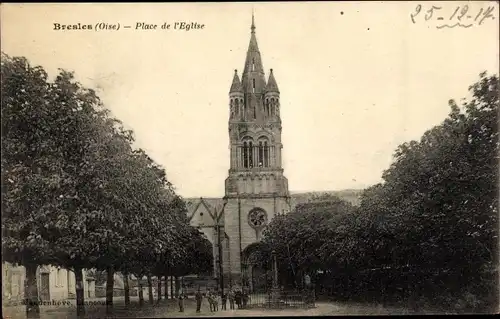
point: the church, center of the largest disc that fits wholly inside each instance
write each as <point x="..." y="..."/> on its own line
<point x="256" y="188"/>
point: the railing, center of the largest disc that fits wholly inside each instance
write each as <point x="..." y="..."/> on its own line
<point x="303" y="299"/>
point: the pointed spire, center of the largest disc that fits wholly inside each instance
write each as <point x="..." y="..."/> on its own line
<point x="253" y="23"/>
<point x="236" y="85"/>
<point x="253" y="73"/>
<point x="272" y="86"/>
<point x="253" y="40"/>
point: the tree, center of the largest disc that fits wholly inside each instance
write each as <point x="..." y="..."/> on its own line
<point x="75" y="192"/>
<point x="198" y="257"/>
<point x="60" y="147"/>
<point x="30" y="165"/>
<point x="431" y="223"/>
<point x="438" y="201"/>
<point x="299" y="237"/>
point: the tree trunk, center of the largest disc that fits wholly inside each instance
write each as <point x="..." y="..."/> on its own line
<point x="31" y="292"/>
<point x="110" y="284"/>
<point x="384" y="291"/>
<point x="166" y="286"/>
<point x="303" y="279"/>
<point x="177" y="286"/>
<point x="80" y="296"/>
<point x="150" y="290"/>
<point x="141" y="292"/>
<point x="126" y="288"/>
<point x="171" y="287"/>
<point x="159" y="289"/>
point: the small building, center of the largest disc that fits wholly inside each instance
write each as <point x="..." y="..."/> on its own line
<point x="54" y="283"/>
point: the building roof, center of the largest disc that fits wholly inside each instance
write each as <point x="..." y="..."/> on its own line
<point x="236" y="85"/>
<point x="272" y="86"/>
<point x="252" y="79"/>
<point x="212" y="205"/>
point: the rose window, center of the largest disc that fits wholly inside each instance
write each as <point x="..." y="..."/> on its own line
<point x="257" y="218"/>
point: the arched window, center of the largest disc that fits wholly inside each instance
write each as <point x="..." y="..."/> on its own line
<point x="250" y="153"/>
<point x="253" y="64"/>
<point x="266" y="155"/>
<point x="261" y="154"/>
<point x="253" y="85"/>
<point x="272" y="107"/>
<point x="245" y="155"/>
<point x="236" y="107"/>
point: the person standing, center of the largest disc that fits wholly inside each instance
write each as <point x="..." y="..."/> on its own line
<point x="224" y="301"/>
<point x="181" y="301"/>
<point x="244" y="298"/>
<point x="199" y="297"/>
<point x="215" y="300"/>
<point x="210" y="298"/>
<point x="207" y="295"/>
<point x="231" y="299"/>
<point x="237" y="298"/>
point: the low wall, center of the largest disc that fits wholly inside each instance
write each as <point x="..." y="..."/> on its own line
<point x="100" y="292"/>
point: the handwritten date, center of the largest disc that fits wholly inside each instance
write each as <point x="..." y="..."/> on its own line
<point x="461" y="16"/>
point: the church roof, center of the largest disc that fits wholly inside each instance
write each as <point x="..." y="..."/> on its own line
<point x="212" y="205"/>
<point x="236" y="85"/>
<point x="272" y="86"/>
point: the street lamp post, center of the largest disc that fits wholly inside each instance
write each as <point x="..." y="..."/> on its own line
<point x="275" y="290"/>
<point x="218" y="227"/>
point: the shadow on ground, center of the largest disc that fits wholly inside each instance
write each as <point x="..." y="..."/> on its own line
<point x="169" y="308"/>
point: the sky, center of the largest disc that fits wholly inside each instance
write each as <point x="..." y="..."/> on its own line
<point x="356" y="78"/>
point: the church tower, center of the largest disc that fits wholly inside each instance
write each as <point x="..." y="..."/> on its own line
<point x="256" y="188"/>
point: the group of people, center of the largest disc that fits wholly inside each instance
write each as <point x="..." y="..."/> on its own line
<point x="234" y="296"/>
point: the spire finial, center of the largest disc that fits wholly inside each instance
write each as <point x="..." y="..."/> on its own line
<point x="253" y="22"/>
